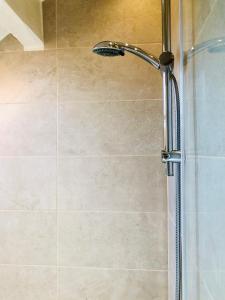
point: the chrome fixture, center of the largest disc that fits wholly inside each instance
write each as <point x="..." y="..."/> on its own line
<point x="110" y="48"/>
<point x="167" y="86"/>
<point x="165" y="65"/>
<point x="173" y="156"/>
<point x="171" y="153"/>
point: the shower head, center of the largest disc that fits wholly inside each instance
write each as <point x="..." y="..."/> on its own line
<point x="109" y="48"/>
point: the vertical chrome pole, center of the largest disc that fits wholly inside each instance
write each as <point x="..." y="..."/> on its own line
<point x="168" y="139"/>
<point x="167" y="85"/>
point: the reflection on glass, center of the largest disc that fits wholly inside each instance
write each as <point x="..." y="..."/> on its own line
<point x="204" y="178"/>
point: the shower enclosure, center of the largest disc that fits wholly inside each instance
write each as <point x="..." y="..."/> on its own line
<point x="203" y="93"/>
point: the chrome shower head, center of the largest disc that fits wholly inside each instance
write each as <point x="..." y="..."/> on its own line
<point x="110" y="48"/>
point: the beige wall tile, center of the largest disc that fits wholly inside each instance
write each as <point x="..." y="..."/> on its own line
<point x="28" y="238"/>
<point x="102" y="126"/>
<point x="49" y="23"/>
<point x="85" y="23"/>
<point x="112" y="284"/>
<point x="27" y="183"/>
<point x="28" y="129"/>
<point x="28" y="283"/>
<point x="28" y="77"/>
<point x="113" y="240"/>
<point x="86" y="76"/>
<point x="114" y="183"/>
<point x="110" y="128"/>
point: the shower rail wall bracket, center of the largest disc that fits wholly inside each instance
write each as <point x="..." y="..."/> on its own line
<point x="172" y="156"/>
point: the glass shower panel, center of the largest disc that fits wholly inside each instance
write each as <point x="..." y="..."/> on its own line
<point x="204" y="128"/>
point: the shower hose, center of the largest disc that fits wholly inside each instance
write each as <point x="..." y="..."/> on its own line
<point x="178" y="292"/>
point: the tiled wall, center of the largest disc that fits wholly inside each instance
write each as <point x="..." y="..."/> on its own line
<point x="83" y="204"/>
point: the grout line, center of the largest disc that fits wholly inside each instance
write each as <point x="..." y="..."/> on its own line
<point x="90" y="46"/>
<point x="82" y="101"/>
<point x="56" y="24"/>
<point x="209" y="157"/>
<point x="204" y="212"/>
<point x="85" y="268"/>
<point x="40" y="103"/>
<point x="61" y="156"/>
<point x="27" y="266"/>
<point x="27" y="156"/>
<point x="110" y="101"/>
<point x="69" y="48"/>
<point x="60" y="211"/>
<point x="57" y="152"/>
<point x="201" y="156"/>
<point x="22" y="51"/>
<point x="115" y="269"/>
<point x="114" y="212"/>
<point x="111" y="156"/>
<point x="28" y="210"/>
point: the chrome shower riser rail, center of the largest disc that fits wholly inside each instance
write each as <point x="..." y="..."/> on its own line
<point x="167" y="85"/>
<point x="170" y="156"/>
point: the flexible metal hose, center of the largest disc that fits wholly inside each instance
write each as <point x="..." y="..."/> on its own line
<point x="178" y="195"/>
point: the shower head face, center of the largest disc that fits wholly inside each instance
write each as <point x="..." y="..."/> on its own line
<point x="111" y="49"/>
<point x="108" y="48"/>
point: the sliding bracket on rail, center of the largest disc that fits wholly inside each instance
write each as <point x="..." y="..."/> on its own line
<point x="171" y="156"/>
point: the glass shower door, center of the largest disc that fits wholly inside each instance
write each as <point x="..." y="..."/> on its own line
<point x="204" y="143"/>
